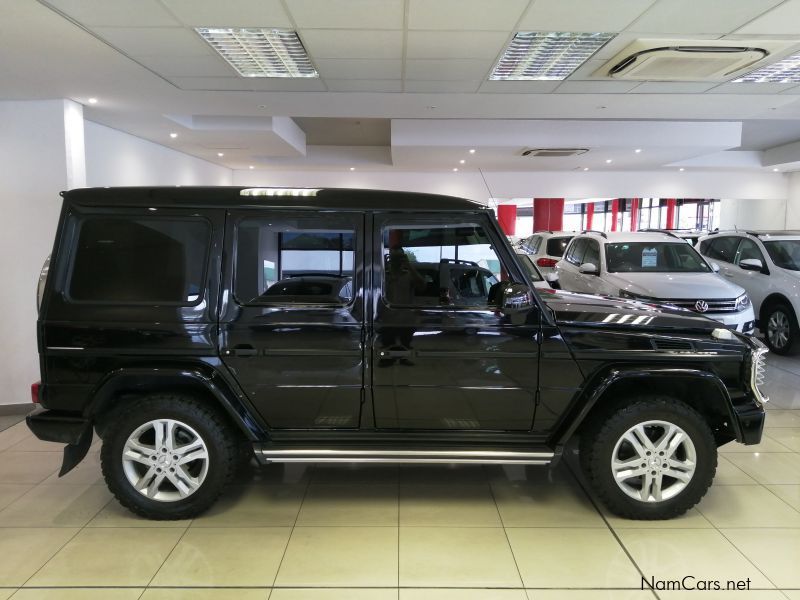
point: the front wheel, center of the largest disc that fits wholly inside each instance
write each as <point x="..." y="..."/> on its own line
<point x="168" y="457"/>
<point x="780" y="329"/>
<point x="652" y="459"/>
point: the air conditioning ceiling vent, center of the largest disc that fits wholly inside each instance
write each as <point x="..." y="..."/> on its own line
<point x="553" y="152"/>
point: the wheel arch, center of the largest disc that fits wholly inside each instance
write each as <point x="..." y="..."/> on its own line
<point x="770" y="301"/>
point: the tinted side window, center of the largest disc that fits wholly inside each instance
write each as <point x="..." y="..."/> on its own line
<point x="140" y="260"/>
<point x="748" y="249"/>
<point x="705" y="245"/>
<point x="293" y="261"/>
<point x="576" y="251"/>
<point x="592" y="254"/>
<point x="723" y="248"/>
<point x="557" y="245"/>
<point x="532" y="243"/>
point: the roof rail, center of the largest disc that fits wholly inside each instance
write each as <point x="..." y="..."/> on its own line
<point x="664" y="231"/>
<point x="602" y="233"/>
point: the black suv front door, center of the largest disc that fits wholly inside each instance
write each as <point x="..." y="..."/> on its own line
<point x="291" y="326"/>
<point x="444" y="358"/>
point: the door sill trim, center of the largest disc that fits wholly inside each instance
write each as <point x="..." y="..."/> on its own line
<point x="268" y="455"/>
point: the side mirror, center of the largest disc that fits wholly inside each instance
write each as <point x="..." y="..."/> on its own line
<point x="751" y="264"/>
<point x="589" y="269"/>
<point x="715" y="267"/>
<point x="515" y="302"/>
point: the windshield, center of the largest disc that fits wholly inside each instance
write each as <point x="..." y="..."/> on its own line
<point x="654" y="257"/>
<point x="784" y="253"/>
<point x="527" y="263"/>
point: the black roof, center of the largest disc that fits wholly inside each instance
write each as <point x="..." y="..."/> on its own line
<point x="774" y="232"/>
<point x="230" y="197"/>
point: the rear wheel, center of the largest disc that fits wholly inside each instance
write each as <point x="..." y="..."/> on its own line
<point x="653" y="459"/>
<point x="168" y="457"/>
<point x="780" y="328"/>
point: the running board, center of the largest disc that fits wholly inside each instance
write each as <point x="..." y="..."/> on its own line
<point x="269" y="455"/>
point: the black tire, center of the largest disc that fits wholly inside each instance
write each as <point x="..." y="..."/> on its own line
<point x="223" y="445"/>
<point x="598" y="443"/>
<point x="774" y="315"/>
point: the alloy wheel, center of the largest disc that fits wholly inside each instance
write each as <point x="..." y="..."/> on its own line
<point x="778" y="329"/>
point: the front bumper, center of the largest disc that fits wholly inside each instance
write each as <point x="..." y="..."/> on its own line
<point x="750" y="417"/>
<point x="66" y="428"/>
<point x="743" y="321"/>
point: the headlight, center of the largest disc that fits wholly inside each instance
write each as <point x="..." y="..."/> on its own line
<point x="742" y="302"/>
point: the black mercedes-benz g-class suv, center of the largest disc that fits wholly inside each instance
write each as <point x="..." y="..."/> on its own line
<point x="193" y="328"/>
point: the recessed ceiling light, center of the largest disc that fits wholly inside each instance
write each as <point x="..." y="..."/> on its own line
<point x="681" y="169"/>
<point x="783" y="71"/>
<point x="472" y="150"/>
<point x="462" y="161"/>
<point x="257" y="52"/>
<point x="585" y="168"/>
<point x="775" y="169"/>
<point x="220" y="154"/>
<point x="92" y="100"/>
<point x="455" y="169"/>
<point x="173" y="135"/>
<point x="551" y="55"/>
<point x="251" y="167"/>
<point x="608" y="161"/>
<point x="352" y="168"/>
<point x="638" y="150"/>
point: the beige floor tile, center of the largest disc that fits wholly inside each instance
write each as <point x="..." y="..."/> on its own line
<point x="723" y="595"/>
<point x="108" y="557"/>
<point x="674" y="553"/>
<point x="550" y="558"/>
<point x="28" y="467"/>
<point x="225" y="557"/>
<point x="116" y="515"/>
<point x="590" y="595"/>
<point x="456" y="557"/>
<point x="33" y="444"/>
<point x="205" y="594"/>
<point x="6" y="593"/>
<point x="88" y="471"/>
<point x="792" y="594"/>
<point x="730" y="474"/>
<point x="353" y="505"/>
<point x="775" y="551"/>
<point x="782" y="418"/>
<point x="449" y="505"/>
<point x="443" y="474"/>
<point x="285" y="473"/>
<point x="256" y="505"/>
<point x="747" y="506"/>
<point x="334" y="594"/>
<point x="24" y="551"/>
<point x="462" y="594"/>
<point x="49" y="505"/>
<point x="11" y="491"/>
<point x="788" y="493"/>
<point x="14" y="435"/>
<point x="691" y="519"/>
<point x="769" y="443"/>
<point x="558" y="503"/>
<point x="343" y="474"/>
<point x="769" y="468"/>
<point x="78" y="594"/>
<point x="340" y="556"/>
<point x="789" y="437"/>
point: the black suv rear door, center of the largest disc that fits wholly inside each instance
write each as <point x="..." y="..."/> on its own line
<point x="292" y="315"/>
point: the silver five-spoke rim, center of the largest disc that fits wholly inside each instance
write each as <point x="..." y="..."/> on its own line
<point x="653" y="461"/>
<point x="165" y="460"/>
<point x="778" y="329"/>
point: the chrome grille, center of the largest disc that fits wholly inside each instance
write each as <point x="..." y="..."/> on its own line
<point x="758" y="371"/>
<point x="718" y="305"/>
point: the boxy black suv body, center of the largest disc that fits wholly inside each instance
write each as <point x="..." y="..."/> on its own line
<point x="193" y="328"/>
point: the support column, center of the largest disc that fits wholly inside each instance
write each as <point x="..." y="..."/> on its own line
<point x="670" y="213"/>
<point x="42" y="150"/>
<point x="634" y="214"/>
<point x="548" y="214"/>
<point x="589" y="215"/>
<point x="507" y="217"/>
<point x="614" y="213"/>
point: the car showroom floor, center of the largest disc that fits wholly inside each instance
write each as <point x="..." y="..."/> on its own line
<point x="375" y="532"/>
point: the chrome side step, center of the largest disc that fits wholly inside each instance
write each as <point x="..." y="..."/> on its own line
<point x="268" y="455"/>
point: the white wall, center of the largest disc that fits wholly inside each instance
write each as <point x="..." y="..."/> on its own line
<point x="752" y="214"/>
<point x="793" y="202"/>
<point x="117" y="158"/>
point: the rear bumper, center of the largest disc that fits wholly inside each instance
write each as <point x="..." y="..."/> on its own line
<point x="57" y="426"/>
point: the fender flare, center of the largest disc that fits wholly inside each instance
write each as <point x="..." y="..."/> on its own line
<point x="589" y="396"/>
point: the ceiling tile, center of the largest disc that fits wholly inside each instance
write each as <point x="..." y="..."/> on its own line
<point x="347" y="14"/>
<point x="519" y="87"/>
<point x="465" y="14"/>
<point x="751" y="88"/>
<point x="364" y="85"/>
<point x="700" y="16"/>
<point x="443" y="87"/>
<point x="353" y="68"/>
<point x="672" y="87"/>
<point x="579" y="15"/>
<point x="119" y="13"/>
<point x="249" y="84"/>
<point x="188" y="66"/>
<point x="447" y="70"/>
<point x="343" y="43"/>
<point x="455" y="44"/>
<point x="148" y="41"/>
<point x="596" y="87"/>
<point x="783" y="19"/>
<point x="231" y="13"/>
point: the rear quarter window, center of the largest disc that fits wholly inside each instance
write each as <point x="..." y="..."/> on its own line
<point x="557" y="245"/>
<point x="135" y="260"/>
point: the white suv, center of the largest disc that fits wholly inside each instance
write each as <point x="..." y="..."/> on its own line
<point x="546" y="248"/>
<point x="653" y="267"/>
<point x="767" y="265"/>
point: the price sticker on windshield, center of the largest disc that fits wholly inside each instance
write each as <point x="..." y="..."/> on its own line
<point x="649" y="257"/>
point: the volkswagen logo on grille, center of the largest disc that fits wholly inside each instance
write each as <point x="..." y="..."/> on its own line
<point x="701" y="306"/>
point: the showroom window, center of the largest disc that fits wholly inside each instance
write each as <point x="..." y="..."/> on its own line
<point x="294" y="261"/>
<point x="140" y="260"/>
<point x="453" y="265"/>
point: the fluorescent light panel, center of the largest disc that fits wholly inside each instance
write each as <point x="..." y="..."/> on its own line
<point x="783" y="71"/>
<point x="256" y="52"/>
<point x="545" y="56"/>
